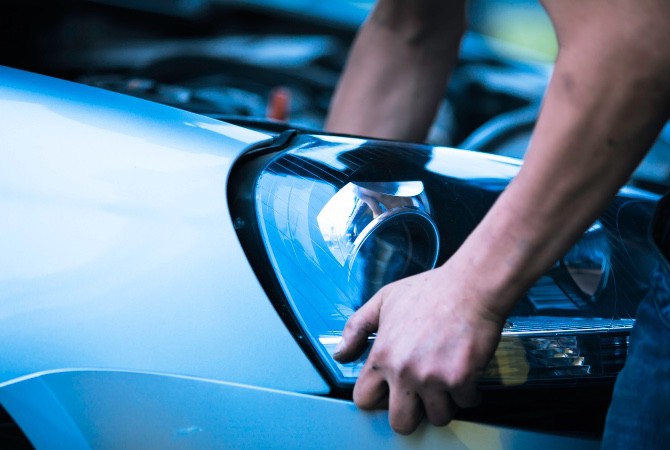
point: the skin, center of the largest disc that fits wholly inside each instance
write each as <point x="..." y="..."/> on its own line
<point x="397" y="69"/>
<point x="608" y="99"/>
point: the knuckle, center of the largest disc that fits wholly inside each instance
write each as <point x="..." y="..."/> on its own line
<point x="431" y="375"/>
<point x="406" y="372"/>
<point x="352" y="323"/>
<point x="383" y="291"/>
<point x="374" y="365"/>
<point x="366" y="327"/>
<point x="355" y="328"/>
<point x="379" y="354"/>
<point x="359" y="325"/>
<point x="458" y="377"/>
<point x="408" y="369"/>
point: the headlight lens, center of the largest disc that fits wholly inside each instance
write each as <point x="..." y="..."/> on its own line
<point x="339" y="218"/>
<point x="587" y="262"/>
<point x="379" y="232"/>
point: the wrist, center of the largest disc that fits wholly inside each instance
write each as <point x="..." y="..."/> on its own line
<point x="477" y="297"/>
<point x="502" y="257"/>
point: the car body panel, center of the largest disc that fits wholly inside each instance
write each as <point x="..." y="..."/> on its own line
<point x="129" y="311"/>
<point x="109" y="409"/>
<point x="132" y="262"/>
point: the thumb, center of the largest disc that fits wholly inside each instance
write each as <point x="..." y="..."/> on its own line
<point x="360" y="325"/>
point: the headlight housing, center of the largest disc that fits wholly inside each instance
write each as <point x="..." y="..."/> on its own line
<point x="338" y="218"/>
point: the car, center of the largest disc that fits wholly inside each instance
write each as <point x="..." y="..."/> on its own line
<point x="174" y="280"/>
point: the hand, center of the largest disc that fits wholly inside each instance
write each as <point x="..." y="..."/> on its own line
<point x="434" y="340"/>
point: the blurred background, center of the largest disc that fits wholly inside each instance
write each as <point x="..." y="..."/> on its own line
<point x="520" y="22"/>
<point x="275" y="63"/>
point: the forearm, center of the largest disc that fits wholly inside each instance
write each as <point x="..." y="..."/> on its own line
<point x="398" y="69"/>
<point x="608" y="98"/>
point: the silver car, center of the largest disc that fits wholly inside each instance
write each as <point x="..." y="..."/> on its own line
<point x="177" y="277"/>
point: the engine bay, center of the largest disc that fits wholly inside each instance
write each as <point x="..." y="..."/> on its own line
<point x="273" y="68"/>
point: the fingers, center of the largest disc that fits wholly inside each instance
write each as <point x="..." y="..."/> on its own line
<point x="417" y="364"/>
<point x="360" y="325"/>
<point x="408" y="402"/>
<point x="439" y="406"/>
<point x="406" y="406"/>
<point x="371" y="390"/>
<point x="405" y="409"/>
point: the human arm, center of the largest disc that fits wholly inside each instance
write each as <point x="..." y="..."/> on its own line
<point x="398" y="69"/>
<point x="608" y="98"/>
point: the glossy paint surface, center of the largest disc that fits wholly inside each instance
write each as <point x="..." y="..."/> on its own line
<point x="93" y="409"/>
<point x="117" y="250"/>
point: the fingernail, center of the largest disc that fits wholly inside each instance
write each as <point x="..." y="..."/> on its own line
<point x="340" y="346"/>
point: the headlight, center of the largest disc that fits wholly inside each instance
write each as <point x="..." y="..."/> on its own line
<point x="587" y="263"/>
<point x="339" y="218"/>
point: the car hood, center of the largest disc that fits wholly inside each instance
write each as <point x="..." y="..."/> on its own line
<point x="133" y="261"/>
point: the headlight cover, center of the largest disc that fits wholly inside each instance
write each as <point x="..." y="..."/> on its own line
<point x="341" y="217"/>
